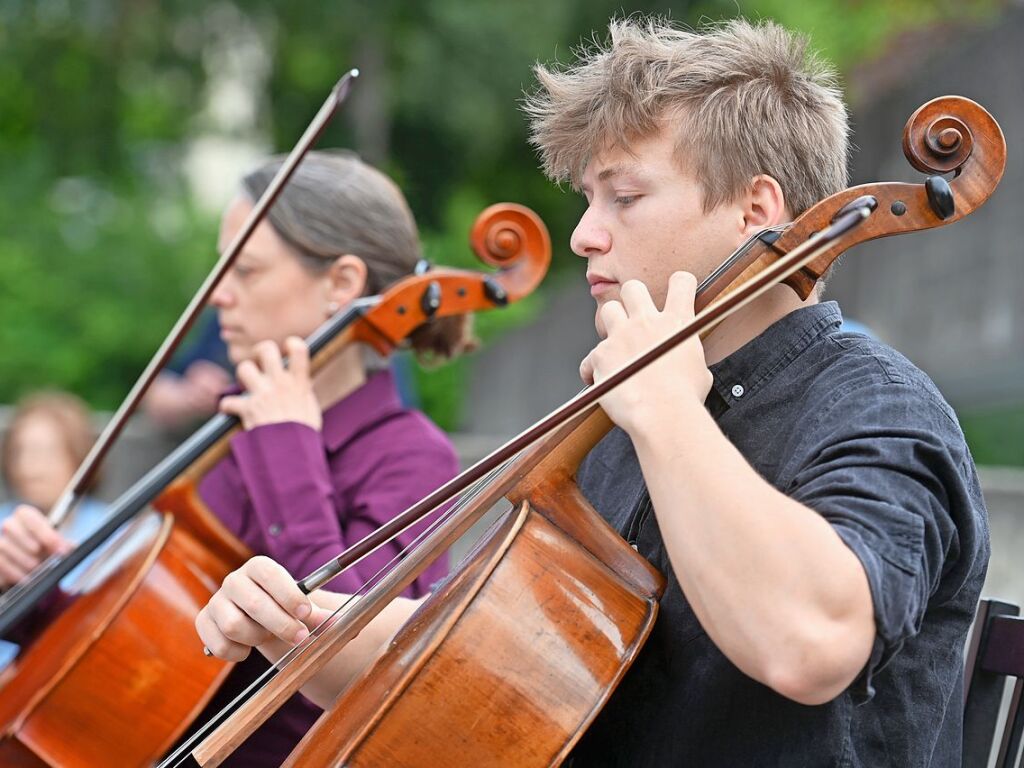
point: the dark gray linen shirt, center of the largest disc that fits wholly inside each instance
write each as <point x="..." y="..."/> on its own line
<point x="850" y="428"/>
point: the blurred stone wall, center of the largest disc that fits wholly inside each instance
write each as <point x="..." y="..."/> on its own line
<point x="948" y="298"/>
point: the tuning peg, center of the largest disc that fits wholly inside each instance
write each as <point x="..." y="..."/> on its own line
<point x="940" y="197"/>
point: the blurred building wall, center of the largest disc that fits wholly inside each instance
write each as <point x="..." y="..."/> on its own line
<point x="950" y="298"/>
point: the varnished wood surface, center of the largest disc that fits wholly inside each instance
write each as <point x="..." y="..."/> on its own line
<point x="110" y="682"/>
<point x="522" y="647"/>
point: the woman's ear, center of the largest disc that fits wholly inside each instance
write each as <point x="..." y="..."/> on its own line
<point x="765" y="205"/>
<point x="346" y="281"/>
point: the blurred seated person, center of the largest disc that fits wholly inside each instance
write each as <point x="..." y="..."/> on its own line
<point x="191" y="384"/>
<point x="49" y="436"/>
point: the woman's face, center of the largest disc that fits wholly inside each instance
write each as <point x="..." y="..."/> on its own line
<point x="40" y="465"/>
<point x="268" y="293"/>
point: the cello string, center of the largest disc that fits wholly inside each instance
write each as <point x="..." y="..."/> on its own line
<point x="337" y="615"/>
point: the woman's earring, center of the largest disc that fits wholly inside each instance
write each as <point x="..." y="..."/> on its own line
<point x="332" y="308"/>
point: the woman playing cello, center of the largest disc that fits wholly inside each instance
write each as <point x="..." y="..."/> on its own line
<point x="320" y="461"/>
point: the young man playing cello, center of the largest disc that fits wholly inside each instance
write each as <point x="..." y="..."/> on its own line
<point x="807" y="492"/>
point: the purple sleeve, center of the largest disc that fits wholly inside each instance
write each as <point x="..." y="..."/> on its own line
<point x="305" y="522"/>
<point x="284" y="469"/>
<point x="395" y="483"/>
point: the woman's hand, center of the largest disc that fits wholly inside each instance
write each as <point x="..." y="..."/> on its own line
<point x="256" y="605"/>
<point x="26" y="539"/>
<point x="275" y="394"/>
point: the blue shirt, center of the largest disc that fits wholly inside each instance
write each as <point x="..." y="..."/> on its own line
<point x="851" y="429"/>
<point x="86" y="518"/>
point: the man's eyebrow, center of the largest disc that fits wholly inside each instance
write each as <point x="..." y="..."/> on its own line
<point x="616" y="170"/>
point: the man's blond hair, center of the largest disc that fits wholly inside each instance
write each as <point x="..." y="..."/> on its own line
<point x="742" y="99"/>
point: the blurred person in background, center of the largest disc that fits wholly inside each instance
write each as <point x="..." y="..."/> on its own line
<point x="49" y="436"/>
<point x="188" y="389"/>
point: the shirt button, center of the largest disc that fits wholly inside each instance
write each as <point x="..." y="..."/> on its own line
<point x="737" y="390"/>
<point x="274" y="529"/>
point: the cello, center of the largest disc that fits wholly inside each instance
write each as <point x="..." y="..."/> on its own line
<point x="512" y="657"/>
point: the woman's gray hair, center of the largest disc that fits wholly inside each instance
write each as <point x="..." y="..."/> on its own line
<point x="335" y="204"/>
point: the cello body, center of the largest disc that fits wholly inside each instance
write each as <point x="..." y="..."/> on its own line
<point x="511" y="659"/>
<point x="110" y="682"/>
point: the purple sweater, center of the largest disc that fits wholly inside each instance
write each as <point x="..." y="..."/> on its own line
<point x="301" y="497"/>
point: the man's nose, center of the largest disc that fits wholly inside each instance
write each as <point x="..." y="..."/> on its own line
<point x="591" y="237"/>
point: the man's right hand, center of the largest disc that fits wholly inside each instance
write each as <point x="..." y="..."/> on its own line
<point x="26" y="539"/>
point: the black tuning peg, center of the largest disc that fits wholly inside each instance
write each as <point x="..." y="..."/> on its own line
<point x="940" y="196"/>
<point x="494" y="291"/>
<point x="430" y="301"/>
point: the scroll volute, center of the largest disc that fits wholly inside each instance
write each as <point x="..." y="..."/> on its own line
<point x="508" y="236"/>
<point x="948" y="135"/>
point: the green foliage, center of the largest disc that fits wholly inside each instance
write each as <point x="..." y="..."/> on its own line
<point x="93" y="277"/>
<point x="996" y="434"/>
<point x="849" y="31"/>
<point x="100" y="244"/>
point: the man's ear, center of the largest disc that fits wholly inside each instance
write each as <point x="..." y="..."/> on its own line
<point x="764" y="205"/>
<point x="346" y="281"/>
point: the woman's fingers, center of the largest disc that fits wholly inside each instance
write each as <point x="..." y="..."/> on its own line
<point x="250" y="377"/>
<point x="17" y="559"/>
<point x="26" y="539"/>
<point x="269" y="357"/>
<point x="36" y="525"/>
<point x="298" y="357"/>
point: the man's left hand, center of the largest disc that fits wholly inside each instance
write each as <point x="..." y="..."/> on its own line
<point x="634" y="326"/>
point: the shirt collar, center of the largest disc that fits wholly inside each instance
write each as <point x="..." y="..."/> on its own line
<point x="746" y="370"/>
<point x="374" y="401"/>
